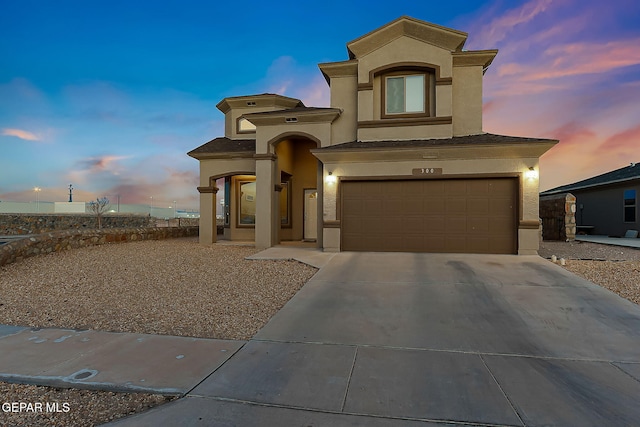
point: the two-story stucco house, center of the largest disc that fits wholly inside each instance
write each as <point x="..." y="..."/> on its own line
<point x="399" y="162"/>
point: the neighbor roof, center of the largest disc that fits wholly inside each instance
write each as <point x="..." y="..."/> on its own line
<point x="484" y="138"/>
<point x="627" y="173"/>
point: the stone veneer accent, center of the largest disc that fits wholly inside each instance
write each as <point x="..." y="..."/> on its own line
<point x="71" y="239"/>
<point x="558" y="214"/>
<point x="16" y="224"/>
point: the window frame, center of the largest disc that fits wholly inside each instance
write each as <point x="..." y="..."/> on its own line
<point x="633" y="205"/>
<point x="285" y="195"/>
<point x="239" y="223"/>
<point x="242" y="119"/>
<point x="427" y="80"/>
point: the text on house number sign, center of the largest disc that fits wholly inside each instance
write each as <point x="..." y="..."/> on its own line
<point x="427" y="171"/>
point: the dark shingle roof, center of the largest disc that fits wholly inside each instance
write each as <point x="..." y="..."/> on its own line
<point x="485" y="138"/>
<point x="224" y="145"/>
<point x="626" y="173"/>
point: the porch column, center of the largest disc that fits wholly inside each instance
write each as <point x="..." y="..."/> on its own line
<point x="208" y="229"/>
<point x="266" y="232"/>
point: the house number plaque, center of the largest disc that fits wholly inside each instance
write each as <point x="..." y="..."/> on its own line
<point x="427" y="171"/>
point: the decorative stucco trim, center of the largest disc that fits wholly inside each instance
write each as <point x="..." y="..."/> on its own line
<point x="290" y="135"/>
<point x="405" y="66"/>
<point x="477" y="58"/>
<point x="529" y="225"/>
<point x="331" y="224"/>
<point x="446" y="38"/>
<point x="263" y="100"/>
<point x="213" y="190"/>
<point x="338" y="69"/>
<point x="421" y="121"/>
<point x="265" y="156"/>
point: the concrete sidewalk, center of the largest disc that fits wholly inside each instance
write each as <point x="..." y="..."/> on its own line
<point x="305" y="254"/>
<point x="109" y="361"/>
<point x="430" y="339"/>
<point x="616" y="241"/>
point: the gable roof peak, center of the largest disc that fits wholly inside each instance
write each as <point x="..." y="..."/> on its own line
<point x="446" y="38"/>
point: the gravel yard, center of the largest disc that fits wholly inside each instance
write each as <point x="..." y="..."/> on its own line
<point x="85" y="407"/>
<point x="178" y="287"/>
<point x="174" y="287"/>
<point x="613" y="267"/>
<point x="169" y="287"/>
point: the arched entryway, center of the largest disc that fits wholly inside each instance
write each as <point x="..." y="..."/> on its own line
<point x="299" y="188"/>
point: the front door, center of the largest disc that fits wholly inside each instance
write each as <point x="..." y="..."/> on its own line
<point x="310" y="214"/>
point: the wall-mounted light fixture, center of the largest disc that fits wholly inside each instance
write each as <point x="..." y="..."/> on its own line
<point x="330" y="178"/>
<point x="531" y="173"/>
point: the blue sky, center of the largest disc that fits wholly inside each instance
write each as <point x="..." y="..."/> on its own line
<point x="110" y="95"/>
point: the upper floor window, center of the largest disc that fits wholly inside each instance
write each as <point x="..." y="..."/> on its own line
<point x="245" y="126"/>
<point x="405" y="94"/>
<point x="630" y="205"/>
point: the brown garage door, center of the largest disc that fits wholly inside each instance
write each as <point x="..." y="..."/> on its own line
<point x="452" y="215"/>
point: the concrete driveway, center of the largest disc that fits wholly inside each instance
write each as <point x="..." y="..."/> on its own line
<point x="385" y="339"/>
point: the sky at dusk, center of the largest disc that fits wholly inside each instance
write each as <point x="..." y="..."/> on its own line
<point x="110" y="95"/>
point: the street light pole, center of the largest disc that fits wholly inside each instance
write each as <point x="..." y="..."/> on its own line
<point x="37" y="190"/>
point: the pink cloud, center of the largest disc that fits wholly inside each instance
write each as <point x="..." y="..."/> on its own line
<point x="498" y="28"/>
<point x="623" y="145"/>
<point x="22" y="134"/>
<point x="314" y="94"/>
<point x="579" y="58"/>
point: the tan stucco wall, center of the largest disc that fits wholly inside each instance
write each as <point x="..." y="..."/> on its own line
<point x="467" y="100"/>
<point x="269" y="135"/>
<point x="461" y="100"/>
<point x="444" y="101"/>
<point x="344" y="95"/>
<point x="365" y="103"/>
<point x="404" y="49"/>
<point x="394" y="133"/>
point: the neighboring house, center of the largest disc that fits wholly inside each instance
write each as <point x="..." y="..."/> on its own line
<point x="606" y="204"/>
<point x="399" y="162"/>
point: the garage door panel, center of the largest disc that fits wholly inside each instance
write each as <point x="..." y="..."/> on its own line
<point x="435" y="224"/>
<point x="435" y="215"/>
<point x="413" y="225"/>
<point x="456" y="206"/>
<point x="478" y="187"/>
<point x="477" y="225"/>
<point x="455" y="224"/>
<point x="434" y="206"/>
<point x="478" y="206"/>
<point x="371" y="205"/>
<point x="413" y="205"/>
<point x="455" y="187"/>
